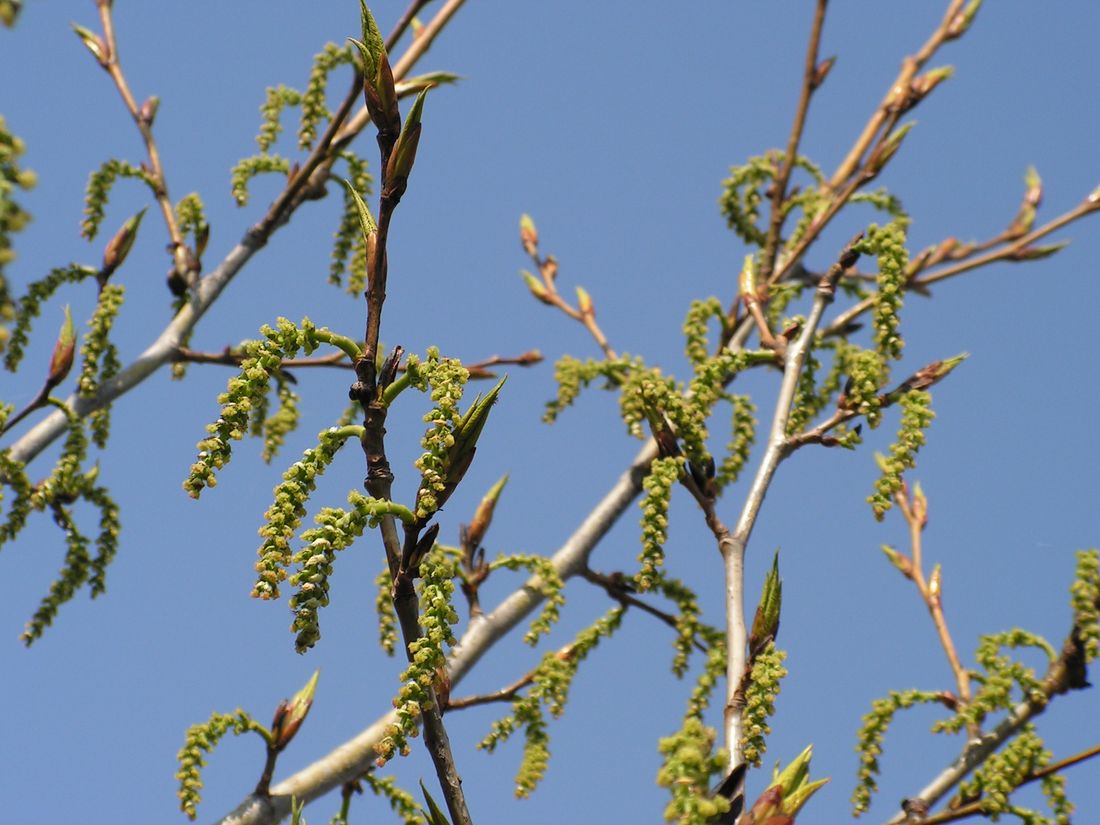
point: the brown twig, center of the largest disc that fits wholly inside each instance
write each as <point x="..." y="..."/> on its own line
<point x="914" y="509"/>
<point x="1010" y="251"/>
<point x="184" y="262"/>
<point x="811" y="79"/>
<point x="975" y="808"/>
<point x="616" y="586"/>
<point x="547" y="292"/>
<point x="888" y="109"/>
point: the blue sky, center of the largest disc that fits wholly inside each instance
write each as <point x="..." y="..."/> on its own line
<point x="612" y="124"/>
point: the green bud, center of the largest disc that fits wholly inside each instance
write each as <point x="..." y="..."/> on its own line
<point x="63" y="351"/>
<point x="366" y="219"/>
<point x="584" y="302"/>
<point x="373" y="46"/>
<point x="404" y="153"/>
<point x="435" y="814"/>
<point x="765" y="623"/>
<point x="528" y="235"/>
<point x="119" y="246"/>
<point x="890" y="147"/>
<point x="899" y="560"/>
<point x="537" y="288"/>
<point x="289" y="716"/>
<point x="1035" y="253"/>
<point x="93" y="42"/>
<point x="483" y="516"/>
<point x="958" y="26"/>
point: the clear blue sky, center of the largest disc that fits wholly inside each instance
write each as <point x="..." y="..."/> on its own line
<point x="613" y="124"/>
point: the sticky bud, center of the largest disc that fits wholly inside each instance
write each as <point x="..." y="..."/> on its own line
<point x="889" y="149"/>
<point x="289" y="716"/>
<point x="821" y="71"/>
<point x="1036" y="253"/>
<point x="483" y="516"/>
<point x="404" y="153"/>
<point x="528" y="235"/>
<point x="94" y="43"/>
<point x="148" y="111"/>
<point x="584" y="302"/>
<point x="920" y="505"/>
<point x="925" y="83"/>
<point x="961" y="22"/>
<point x="765" y="623"/>
<point x="63" y="351"/>
<point x="537" y="288"/>
<point x="899" y="560"/>
<point x="114" y="254"/>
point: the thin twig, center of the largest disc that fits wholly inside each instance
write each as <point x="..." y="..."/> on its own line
<point x="182" y="259"/>
<point x="915" y="512"/>
<point x="909" y="68"/>
<point x="733" y="546"/>
<point x="975" y="808"/>
<point x="209" y="287"/>
<point x="1066" y="673"/>
<point x="779" y="187"/>
<point x="1007" y="252"/>
<point x="616" y="587"/>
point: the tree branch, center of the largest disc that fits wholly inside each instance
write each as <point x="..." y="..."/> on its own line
<point x="351" y="759"/>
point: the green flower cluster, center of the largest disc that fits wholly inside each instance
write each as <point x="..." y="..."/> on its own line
<point x="271" y="113"/>
<point x="349" y="250"/>
<point x="550" y="690"/>
<point x="99" y="191"/>
<point x="202" y="739"/>
<point x="573" y="375"/>
<point x="65" y="485"/>
<point x="248" y="168"/>
<point x="697" y="344"/>
<point x="663" y="474"/>
<point x="401" y="801"/>
<point x="549" y="584"/>
<point x="867" y="372"/>
<point x="274" y="428"/>
<point x="690" y="765"/>
<point x="12" y="216"/>
<point x="284" y="516"/>
<point x="428" y="659"/>
<point x="336" y="529"/>
<point x="780" y="297"/>
<point x="888" y="243"/>
<point x="916" y="416"/>
<point x="1085" y="598"/>
<point x="383" y="606"/>
<point x="688" y="625"/>
<point x="101" y="362"/>
<point x="191" y="215"/>
<point x="447" y="379"/>
<point x="871" y="735"/>
<point x="767" y="672"/>
<point x="882" y="200"/>
<point x="1001" y="676"/>
<point x="1003" y="772"/>
<point x="30" y="307"/>
<point x="314" y="107"/>
<point x="741" y="441"/>
<point x="743" y="192"/>
<point x="247" y="391"/>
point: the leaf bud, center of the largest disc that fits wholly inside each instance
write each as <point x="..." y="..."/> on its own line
<point x="94" y="43"/>
<point x="289" y="716"/>
<point x="765" y="623"/>
<point x="528" y="235"/>
<point x="63" y="351"/>
<point x="148" y="111"/>
<point x="537" y="288"/>
<point x="961" y="22"/>
<point x="584" y="303"/>
<point x="114" y="254"/>
<point x="899" y="560"/>
<point x="483" y="516"/>
<point x="821" y="71"/>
